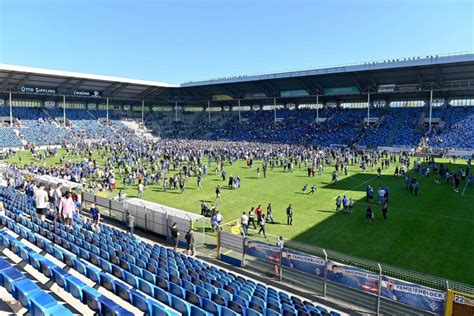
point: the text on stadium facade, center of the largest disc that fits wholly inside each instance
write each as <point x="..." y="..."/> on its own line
<point x="38" y="90"/>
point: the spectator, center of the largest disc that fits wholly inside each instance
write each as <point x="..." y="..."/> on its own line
<point x="289" y="215"/>
<point x="130" y="223"/>
<point x="67" y="208"/>
<point x="369" y="215"/>
<point x="244" y="222"/>
<point x="191" y="249"/>
<point x="252" y="218"/>
<point x="95" y="218"/>
<point x="174" y="235"/>
<point x="41" y="202"/>
<point x="270" y="214"/>
<point x="261" y="223"/>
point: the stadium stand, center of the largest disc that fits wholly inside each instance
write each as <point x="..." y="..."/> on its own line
<point x="456" y="129"/>
<point x="8" y="138"/>
<point x="394" y="127"/>
<point x="155" y="280"/>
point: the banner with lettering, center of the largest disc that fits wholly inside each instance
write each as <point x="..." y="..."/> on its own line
<point x="414" y="295"/>
<point x="303" y="262"/>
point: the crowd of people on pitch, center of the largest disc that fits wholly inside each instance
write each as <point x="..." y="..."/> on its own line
<point x="170" y="164"/>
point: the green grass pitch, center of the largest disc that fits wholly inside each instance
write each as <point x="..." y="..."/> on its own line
<point x="432" y="233"/>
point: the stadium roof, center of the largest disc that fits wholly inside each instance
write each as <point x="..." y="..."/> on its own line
<point x="447" y="75"/>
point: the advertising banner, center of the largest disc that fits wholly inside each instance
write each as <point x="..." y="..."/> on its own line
<point x="341" y="90"/>
<point x="386" y="88"/>
<point x="88" y="93"/>
<point x="38" y="90"/>
<point x="303" y="262"/>
<point x="414" y="295"/>
<point x="262" y="251"/>
<point x="353" y="277"/>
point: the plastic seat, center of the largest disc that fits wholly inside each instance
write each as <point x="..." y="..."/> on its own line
<point x="192" y="298"/>
<point x="91" y="298"/>
<point x="180" y="305"/>
<point x="256" y="307"/>
<point x="123" y="291"/>
<point x="210" y="306"/>
<point x="59" y="276"/>
<point x="23" y="289"/>
<point x="236" y="307"/>
<point x="43" y="304"/>
<point x="8" y="276"/>
<point x="140" y="301"/>
<point x="176" y="290"/>
<point x="202" y="292"/>
<point x="162" y="296"/>
<point x="76" y="287"/>
<point x="146" y="287"/>
<point x="109" y="307"/>
<point x="107" y="282"/>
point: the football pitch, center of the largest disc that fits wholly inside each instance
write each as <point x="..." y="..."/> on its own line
<point x="431" y="233"/>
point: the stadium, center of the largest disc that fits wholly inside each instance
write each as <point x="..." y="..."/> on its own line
<point x="338" y="190"/>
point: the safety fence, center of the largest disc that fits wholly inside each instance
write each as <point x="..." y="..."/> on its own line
<point x="148" y="217"/>
<point x="386" y="284"/>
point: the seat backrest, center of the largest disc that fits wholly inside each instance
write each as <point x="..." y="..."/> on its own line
<point x="177" y="290"/>
<point x="192" y="298"/>
<point x="180" y="305"/>
<point x="216" y="298"/>
<point x="236" y="307"/>
<point x="210" y="306"/>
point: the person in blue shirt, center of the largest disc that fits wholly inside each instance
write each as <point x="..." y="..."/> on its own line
<point x="95" y="217"/>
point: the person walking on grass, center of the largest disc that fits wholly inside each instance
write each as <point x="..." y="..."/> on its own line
<point x="244" y="222"/>
<point x="140" y="190"/>
<point x="338" y="203"/>
<point x="289" y="215"/>
<point x="261" y="223"/>
<point x="252" y="218"/>
<point x="369" y="215"/>
<point x="270" y="214"/>
<point x="218" y="193"/>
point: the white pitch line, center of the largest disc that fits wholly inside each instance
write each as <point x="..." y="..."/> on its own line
<point x="435" y="214"/>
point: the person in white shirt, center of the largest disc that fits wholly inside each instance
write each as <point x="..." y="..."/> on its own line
<point x="140" y="190"/>
<point x="219" y="218"/>
<point x="57" y="194"/>
<point x="381" y="194"/>
<point x="244" y="222"/>
<point x="41" y="201"/>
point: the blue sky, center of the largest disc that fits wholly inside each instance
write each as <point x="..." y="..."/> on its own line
<point x="178" y="41"/>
